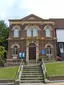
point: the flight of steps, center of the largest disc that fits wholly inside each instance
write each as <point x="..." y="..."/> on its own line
<point x="32" y="74"/>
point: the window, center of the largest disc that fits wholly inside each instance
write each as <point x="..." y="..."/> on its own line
<point x="32" y="31"/>
<point x="47" y="30"/>
<point x="35" y="32"/>
<point x="15" y="50"/>
<point x="16" y="33"/>
<point x="29" y="32"/>
<point x="61" y="46"/>
<point x="49" y="50"/>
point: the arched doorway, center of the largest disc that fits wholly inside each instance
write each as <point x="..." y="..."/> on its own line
<point x="32" y="51"/>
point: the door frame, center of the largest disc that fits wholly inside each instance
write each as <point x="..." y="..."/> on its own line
<point x="27" y="50"/>
<point x="32" y="46"/>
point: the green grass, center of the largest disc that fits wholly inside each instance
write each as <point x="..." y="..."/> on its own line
<point x="8" y="72"/>
<point x="55" y="69"/>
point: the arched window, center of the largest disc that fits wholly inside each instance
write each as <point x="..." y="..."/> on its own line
<point x="35" y="32"/>
<point x="16" y="33"/>
<point x="32" y="31"/>
<point x="15" y="50"/>
<point x="49" y="50"/>
<point x="29" y="32"/>
<point x="47" y="31"/>
<point x="16" y="30"/>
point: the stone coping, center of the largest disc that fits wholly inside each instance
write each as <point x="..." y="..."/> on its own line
<point x="56" y="77"/>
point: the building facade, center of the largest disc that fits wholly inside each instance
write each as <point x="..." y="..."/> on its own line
<point x="32" y="35"/>
<point x="60" y="42"/>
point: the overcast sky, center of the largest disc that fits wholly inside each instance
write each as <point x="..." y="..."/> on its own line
<point x="20" y="8"/>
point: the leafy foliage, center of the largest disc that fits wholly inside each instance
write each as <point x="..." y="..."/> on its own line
<point x="3" y="34"/>
<point x="3" y="41"/>
<point x="2" y="51"/>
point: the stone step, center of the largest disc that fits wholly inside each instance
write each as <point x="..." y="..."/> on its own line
<point x="32" y="65"/>
<point x="32" y="70"/>
<point x="31" y="81"/>
<point x="31" y="78"/>
<point x="32" y="61"/>
<point x="31" y="75"/>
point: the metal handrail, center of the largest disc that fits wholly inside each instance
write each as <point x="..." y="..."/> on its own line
<point x="44" y="70"/>
<point x="19" y="73"/>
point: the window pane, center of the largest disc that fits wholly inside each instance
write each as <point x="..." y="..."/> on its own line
<point x="16" y="33"/>
<point x="28" y="32"/>
<point x="35" y="32"/>
<point x="47" y="32"/>
<point x="49" y="50"/>
<point x="15" y="50"/>
<point x="61" y="45"/>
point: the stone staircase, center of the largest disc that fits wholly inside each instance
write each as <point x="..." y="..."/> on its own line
<point x="32" y="74"/>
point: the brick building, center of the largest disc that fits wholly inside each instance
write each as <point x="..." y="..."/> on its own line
<point x="32" y="35"/>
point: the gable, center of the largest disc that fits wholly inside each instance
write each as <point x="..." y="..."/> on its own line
<point x="31" y="17"/>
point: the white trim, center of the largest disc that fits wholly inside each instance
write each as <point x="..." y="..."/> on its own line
<point x="14" y="57"/>
<point x="47" y="26"/>
<point x="32" y="27"/>
<point x="15" y="45"/>
<point x="49" y="45"/>
<point x="16" y="27"/>
<point x="27" y="51"/>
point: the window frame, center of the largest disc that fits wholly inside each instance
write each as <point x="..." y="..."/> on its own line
<point x="29" y="35"/>
<point x="17" y="33"/>
<point x="47" y="32"/>
<point x="35" y="30"/>
<point x="14" y="28"/>
<point x="15" y="51"/>
<point x="49" y="50"/>
<point x="50" y="29"/>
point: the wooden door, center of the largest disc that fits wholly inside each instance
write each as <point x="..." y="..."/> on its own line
<point x="32" y="52"/>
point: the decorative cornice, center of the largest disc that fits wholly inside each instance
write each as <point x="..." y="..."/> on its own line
<point x="35" y="38"/>
<point x="32" y="22"/>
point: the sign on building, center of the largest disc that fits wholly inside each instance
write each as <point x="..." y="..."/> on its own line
<point x="42" y="52"/>
<point x="22" y="55"/>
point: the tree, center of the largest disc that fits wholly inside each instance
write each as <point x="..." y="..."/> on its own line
<point x="2" y="51"/>
<point x="3" y="40"/>
<point x="3" y="34"/>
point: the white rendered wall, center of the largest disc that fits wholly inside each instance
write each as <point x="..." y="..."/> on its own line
<point x="60" y="35"/>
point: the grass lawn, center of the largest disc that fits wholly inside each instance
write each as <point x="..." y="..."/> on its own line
<point x="55" y="69"/>
<point x="8" y="72"/>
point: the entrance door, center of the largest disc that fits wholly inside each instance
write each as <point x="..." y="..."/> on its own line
<point x="32" y="51"/>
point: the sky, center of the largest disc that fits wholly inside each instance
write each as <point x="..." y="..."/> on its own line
<point x="15" y="9"/>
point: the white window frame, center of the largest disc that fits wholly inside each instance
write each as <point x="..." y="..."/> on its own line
<point x="48" y="51"/>
<point x="14" y="50"/>
<point x="16" y="33"/>
<point x="29" y="34"/>
<point x="47" y="31"/>
<point x="35" y="32"/>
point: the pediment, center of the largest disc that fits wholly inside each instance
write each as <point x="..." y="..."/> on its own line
<point x="31" y="17"/>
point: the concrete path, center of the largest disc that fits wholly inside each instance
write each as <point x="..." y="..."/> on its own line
<point x="6" y="83"/>
<point x="42" y="83"/>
